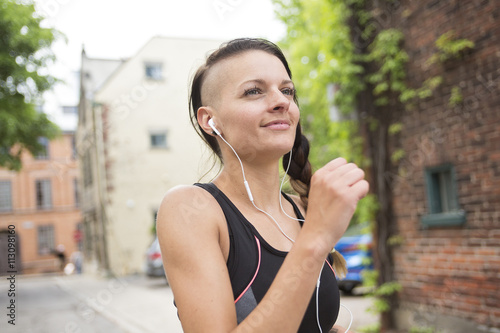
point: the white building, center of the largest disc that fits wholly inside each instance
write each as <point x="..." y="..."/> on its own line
<point x="135" y="142"/>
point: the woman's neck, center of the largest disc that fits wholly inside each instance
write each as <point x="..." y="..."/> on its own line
<point x="263" y="180"/>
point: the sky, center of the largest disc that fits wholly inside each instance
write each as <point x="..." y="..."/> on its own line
<point x="117" y="29"/>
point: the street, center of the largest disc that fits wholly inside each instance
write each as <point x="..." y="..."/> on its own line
<point x="90" y="304"/>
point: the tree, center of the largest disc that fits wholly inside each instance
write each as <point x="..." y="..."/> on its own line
<point x="320" y="52"/>
<point x="24" y="56"/>
<point x="336" y="41"/>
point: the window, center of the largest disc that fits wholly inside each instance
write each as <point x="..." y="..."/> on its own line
<point x="442" y="197"/>
<point x="45" y="234"/>
<point x="44" y="153"/>
<point x="5" y="196"/>
<point x="153" y="70"/>
<point x="43" y="194"/>
<point x="158" y="139"/>
<point x="70" y="109"/>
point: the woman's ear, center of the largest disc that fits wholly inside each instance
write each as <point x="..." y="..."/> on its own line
<point x="203" y="115"/>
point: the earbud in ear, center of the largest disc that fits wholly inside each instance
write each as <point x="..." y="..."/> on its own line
<point x="212" y="125"/>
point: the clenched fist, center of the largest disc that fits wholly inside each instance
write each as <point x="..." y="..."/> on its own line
<point x="334" y="194"/>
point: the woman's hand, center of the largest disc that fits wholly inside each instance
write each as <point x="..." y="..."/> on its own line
<point x="334" y="194"/>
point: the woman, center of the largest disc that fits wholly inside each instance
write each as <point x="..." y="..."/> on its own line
<point x="237" y="257"/>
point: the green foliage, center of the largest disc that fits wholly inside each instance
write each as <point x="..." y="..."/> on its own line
<point x="429" y="86"/>
<point x="320" y="54"/>
<point x="395" y="240"/>
<point x="373" y="328"/>
<point x="397" y="155"/>
<point x="24" y="56"/>
<point x="456" y="97"/>
<point x="366" y="209"/>
<point x="379" y="293"/>
<point x="387" y="289"/>
<point x="395" y="128"/>
<point x="391" y="60"/>
<point x="370" y="278"/>
<point x="449" y="47"/>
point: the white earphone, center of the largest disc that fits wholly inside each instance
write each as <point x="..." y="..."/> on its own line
<point x="247" y="187"/>
<point x="212" y="125"/>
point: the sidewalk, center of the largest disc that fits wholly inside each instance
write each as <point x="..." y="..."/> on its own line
<point x="137" y="304"/>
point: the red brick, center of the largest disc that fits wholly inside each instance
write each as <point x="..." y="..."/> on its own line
<point x="467" y="257"/>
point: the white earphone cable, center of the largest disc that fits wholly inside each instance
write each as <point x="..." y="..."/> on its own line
<point x="318" y="283"/>
<point x="234" y="151"/>
<point x="247" y="187"/>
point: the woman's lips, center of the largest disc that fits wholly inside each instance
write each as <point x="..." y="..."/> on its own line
<point x="278" y="125"/>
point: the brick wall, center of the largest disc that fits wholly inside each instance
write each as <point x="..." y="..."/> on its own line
<point x="452" y="271"/>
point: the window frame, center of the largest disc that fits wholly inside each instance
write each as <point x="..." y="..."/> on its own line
<point x="47" y="203"/>
<point x="8" y="207"/>
<point x="157" y="133"/>
<point x="444" y="214"/>
<point x="46" y="144"/>
<point x="153" y="64"/>
<point x="45" y="232"/>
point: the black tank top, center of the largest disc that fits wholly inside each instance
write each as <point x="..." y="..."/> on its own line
<point x="253" y="265"/>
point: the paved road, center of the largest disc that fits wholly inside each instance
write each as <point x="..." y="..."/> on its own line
<point x="134" y="304"/>
<point x="41" y="306"/>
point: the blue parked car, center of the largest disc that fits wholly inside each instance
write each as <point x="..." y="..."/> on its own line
<point x="356" y="249"/>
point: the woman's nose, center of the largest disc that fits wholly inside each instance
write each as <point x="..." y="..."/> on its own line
<point x="279" y="101"/>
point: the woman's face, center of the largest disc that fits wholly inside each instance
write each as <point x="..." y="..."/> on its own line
<point x="252" y="98"/>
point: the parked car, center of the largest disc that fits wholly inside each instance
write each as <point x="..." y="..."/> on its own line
<point x="154" y="263"/>
<point x="356" y="247"/>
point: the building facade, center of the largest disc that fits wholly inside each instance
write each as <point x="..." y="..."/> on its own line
<point x="447" y="188"/>
<point x="41" y="203"/>
<point x="135" y="142"/>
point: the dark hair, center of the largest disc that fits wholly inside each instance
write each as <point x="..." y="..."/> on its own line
<point x="300" y="171"/>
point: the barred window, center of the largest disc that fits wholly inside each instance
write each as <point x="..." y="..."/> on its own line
<point x="43" y="194"/>
<point x="45" y="239"/>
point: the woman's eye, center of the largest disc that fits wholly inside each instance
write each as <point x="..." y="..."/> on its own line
<point x="252" y="91"/>
<point x="288" y="91"/>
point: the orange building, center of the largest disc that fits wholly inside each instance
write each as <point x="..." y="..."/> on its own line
<point x="41" y="204"/>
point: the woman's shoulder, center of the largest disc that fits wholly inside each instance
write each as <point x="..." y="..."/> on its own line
<point x="183" y="196"/>
<point x="187" y="202"/>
